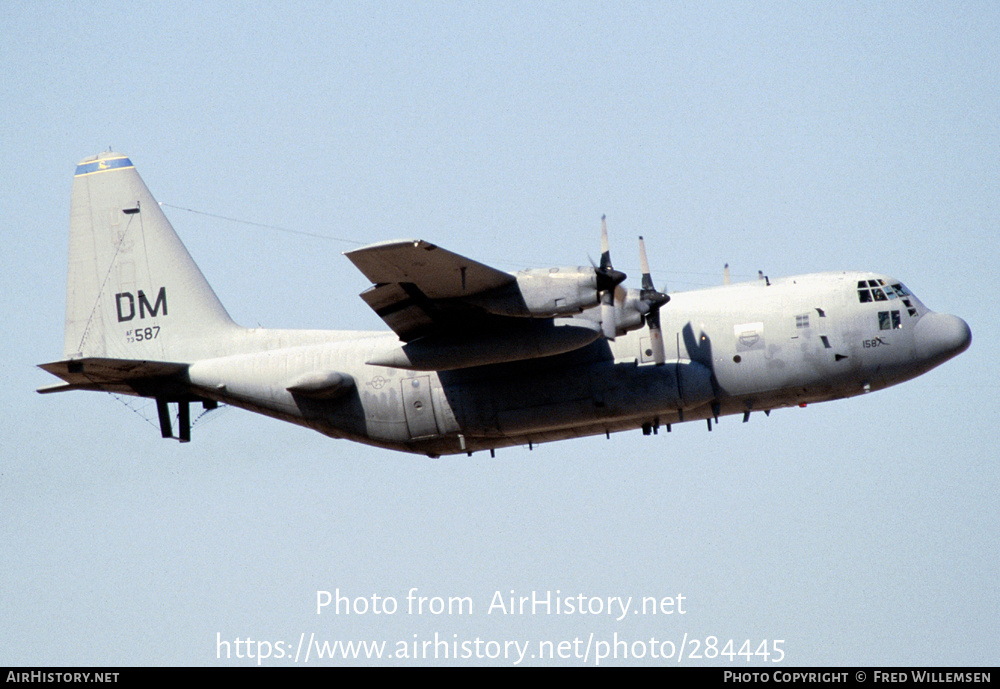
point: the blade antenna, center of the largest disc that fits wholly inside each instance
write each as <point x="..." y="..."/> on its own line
<point x="654" y="299"/>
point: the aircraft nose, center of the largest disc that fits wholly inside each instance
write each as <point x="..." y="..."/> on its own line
<point x="940" y="336"/>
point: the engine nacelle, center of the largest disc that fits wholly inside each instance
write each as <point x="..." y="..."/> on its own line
<point x="629" y="312"/>
<point x="543" y="293"/>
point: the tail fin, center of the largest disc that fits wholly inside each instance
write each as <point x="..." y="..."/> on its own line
<point x="133" y="291"/>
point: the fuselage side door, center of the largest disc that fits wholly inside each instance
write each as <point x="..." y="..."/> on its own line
<point x="418" y="407"/>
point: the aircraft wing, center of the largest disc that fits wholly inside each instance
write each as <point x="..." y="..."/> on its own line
<point x="419" y="287"/>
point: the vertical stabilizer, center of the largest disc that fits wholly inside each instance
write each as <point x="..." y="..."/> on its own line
<point x="133" y="291"/>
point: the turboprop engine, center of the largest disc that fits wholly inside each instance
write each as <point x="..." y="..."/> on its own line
<point x="545" y="293"/>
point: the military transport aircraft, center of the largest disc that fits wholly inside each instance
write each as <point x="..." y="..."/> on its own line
<point x="478" y="358"/>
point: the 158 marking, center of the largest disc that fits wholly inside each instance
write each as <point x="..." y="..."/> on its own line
<point x="877" y="342"/>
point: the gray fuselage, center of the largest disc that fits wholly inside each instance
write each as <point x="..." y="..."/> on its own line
<point x="732" y="349"/>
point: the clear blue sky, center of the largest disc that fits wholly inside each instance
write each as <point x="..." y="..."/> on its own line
<point x="789" y="137"/>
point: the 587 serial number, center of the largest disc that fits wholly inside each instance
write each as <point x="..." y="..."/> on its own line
<point x="142" y="334"/>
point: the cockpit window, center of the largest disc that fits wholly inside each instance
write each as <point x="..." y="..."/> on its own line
<point x="878" y="290"/>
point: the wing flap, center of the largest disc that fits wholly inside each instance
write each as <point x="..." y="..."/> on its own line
<point x="408" y="314"/>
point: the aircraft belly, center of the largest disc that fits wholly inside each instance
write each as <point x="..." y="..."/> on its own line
<point x="516" y="421"/>
<point x="586" y="395"/>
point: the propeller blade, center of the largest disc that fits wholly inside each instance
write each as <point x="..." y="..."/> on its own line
<point x="605" y="246"/>
<point x="607" y="280"/>
<point x="656" y="343"/>
<point x="609" y="322"/>
<point x="647" y="278"/>
<point x="654" y="299"/>
<point x="607" y="277"/>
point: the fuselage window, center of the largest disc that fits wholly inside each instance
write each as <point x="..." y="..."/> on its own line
<point x="889" y="320"/>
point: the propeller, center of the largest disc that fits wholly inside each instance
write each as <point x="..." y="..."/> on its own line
<point x="654" y="300"/>
<point x="607" y="280"/>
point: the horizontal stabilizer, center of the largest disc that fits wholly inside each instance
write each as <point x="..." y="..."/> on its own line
<point x="124" y="376"/>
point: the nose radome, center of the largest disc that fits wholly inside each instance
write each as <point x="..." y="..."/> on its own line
<point x="940" y="336"/>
